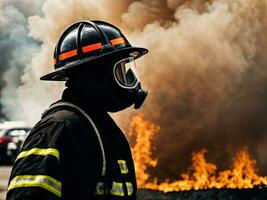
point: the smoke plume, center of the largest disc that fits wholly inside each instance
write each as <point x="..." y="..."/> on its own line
<point x="16" y="48"/>
<point x="206" y="72"/>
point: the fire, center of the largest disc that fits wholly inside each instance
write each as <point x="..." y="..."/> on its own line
<point x="142" y="151"/>
<point x="204" y="175"/>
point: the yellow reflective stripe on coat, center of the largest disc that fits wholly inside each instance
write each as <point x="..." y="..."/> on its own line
<point x="39" y="152"/>
<point x="129" y="187"/>
<point x="123" y="166"/>
<point x="43" y="181"/>
<point x="117" y="189"/>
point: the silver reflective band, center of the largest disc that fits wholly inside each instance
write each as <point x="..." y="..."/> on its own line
<point x="100" y="188"/>
<point x="117" y="189"/>
<point x="125" y="73"/>
<point x="123" y="166"/>
<point x="46" y="182"/>
<point x="129" y="187"/>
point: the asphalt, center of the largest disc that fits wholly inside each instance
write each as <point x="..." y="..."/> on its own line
<point x="259" y="193"/>
<point x="4" y="175"/>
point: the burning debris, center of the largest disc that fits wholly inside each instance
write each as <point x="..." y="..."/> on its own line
<point x="202" y="174"/>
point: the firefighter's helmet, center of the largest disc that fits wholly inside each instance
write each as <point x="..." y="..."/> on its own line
<point x="89" y="42"/>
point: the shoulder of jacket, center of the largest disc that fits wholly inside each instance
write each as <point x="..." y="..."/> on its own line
<point x="60" y="117"/>
<point x="70" y="118"/>
<point x="56" y="122"/>
<point x="64" y="115"/>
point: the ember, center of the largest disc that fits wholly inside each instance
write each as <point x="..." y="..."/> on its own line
<point x="204" y="175"/>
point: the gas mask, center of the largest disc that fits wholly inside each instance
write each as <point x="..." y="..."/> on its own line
<point x="125" y="75"/>
<point x="114" y="91"/>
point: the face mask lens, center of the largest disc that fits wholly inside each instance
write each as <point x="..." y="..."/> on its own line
<point x="125" y="72"/>
<point x="130" y="77"/>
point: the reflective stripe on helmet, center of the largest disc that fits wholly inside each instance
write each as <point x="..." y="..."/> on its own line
<point x="43" y="181"/>
<point x="129" y="187"/>
<point x="117" y="41"/>
<point x="88" y="48"/>
<point x="39" y="152"/>
<point x="68" y="54"/>
<point x="92" y="47"/>
<point x="123" y="166"/>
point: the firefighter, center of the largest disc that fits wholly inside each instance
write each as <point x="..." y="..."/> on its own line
<point x="76" y="151"/>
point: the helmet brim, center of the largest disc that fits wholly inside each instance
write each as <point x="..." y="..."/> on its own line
<point x="61" y="75"/>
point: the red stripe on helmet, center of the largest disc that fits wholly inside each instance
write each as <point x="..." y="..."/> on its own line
<point x="92" y="47"/>
<point x="68" y="54"/>
<point x="88" y="48"/>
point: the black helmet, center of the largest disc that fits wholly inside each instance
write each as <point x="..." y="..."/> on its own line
<point x="89" y="42"/>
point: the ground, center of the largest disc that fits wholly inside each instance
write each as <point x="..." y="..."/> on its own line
<point x="209" y="194"/>
<point x="4" y="175"/>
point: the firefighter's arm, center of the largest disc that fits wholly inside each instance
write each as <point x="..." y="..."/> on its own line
<point x="36" y="172"/>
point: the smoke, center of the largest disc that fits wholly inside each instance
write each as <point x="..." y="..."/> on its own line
<point x="206" y="72"/>
<point x="56" y="16"/>
<point x="207" y="75"/>
<point x="26" y="7"/>
<point x="16" y="48"/>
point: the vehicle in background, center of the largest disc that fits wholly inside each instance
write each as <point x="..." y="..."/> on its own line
<point x="14" y="147"/>
<point x="11" y="132"/>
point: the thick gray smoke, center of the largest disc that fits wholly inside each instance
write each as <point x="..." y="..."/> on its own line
<point x="206" y="72"/>
<point x="16" y="47"/>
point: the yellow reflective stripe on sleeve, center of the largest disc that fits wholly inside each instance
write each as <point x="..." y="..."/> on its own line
<point x="43" y="181"/>
<point x="129" y="187"/>
<point x="39" y="152"/>
<point x="117" y="189"/>
<point x="123" y="166"/>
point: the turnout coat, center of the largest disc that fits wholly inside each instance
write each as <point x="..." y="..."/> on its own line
<point x="75" y="152"/>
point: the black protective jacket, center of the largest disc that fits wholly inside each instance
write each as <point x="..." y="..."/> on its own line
<point x="62" y="159"/>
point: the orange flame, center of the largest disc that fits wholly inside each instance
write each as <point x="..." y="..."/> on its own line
<point x="242" y="174"/>
<point x="142" y="151"/>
